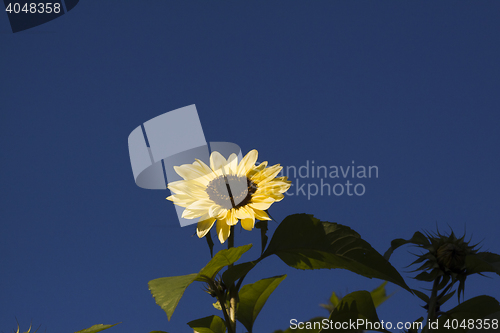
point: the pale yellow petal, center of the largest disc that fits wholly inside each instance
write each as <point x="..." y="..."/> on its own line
<point x="266" y="174"/>
<point x="261" y="198"/>
<point x="223" y="230"/>
<point x="201" y="205"/>
<point x="217" y="161"/>
<point x="277" y="197"/>
<point x="261" y="204"/>
<point x="192" y="214"/>
<point x="276" y="183"/>
<point x="186" y="187"/>
<point x="272" y="189"/>
<point x="232" y="164"/>
<point x="247" y="218"/>
<point x="204" y="225"/>
<point x="248" y="162"/>
<point x="181" y="197"/>
<point x="198" y="195"/>
<point x="182" y="203"/>
<point x="261" y="166"/>
<point x="248" y="224"/>
<point x="182" y="200"/>
<point x="191" y="172"/>
<point x="256" y="169"/>
<point x="231" y="217"/>
<point x="222" y="214"/>
<point x="214" y="210"/>
<point x="270" y="177"/>
<point x="261" y="215"/>
<point x="282" y="179"/>
<point x="203" y="167"/>
<point x="177" y="186"/>
<point x="243" y="213"/>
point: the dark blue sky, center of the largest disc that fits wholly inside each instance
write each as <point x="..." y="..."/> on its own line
<point x="412" y="88"/>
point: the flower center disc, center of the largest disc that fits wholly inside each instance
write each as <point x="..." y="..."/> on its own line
<point x="231" y="191"/>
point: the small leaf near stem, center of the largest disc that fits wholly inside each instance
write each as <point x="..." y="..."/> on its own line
<point x="210" y="243"/>
<point x="262" y="225"/>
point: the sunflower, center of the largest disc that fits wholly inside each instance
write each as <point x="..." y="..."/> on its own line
<point x="227" y="191"/>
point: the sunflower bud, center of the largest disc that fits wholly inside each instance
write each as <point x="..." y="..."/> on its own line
<point x="446" y="260"/>
<point x="451" y="257"/>
<point x="210" y="290"/>
<point x="449" y="252"/>
<point x="216" y="287"/>
<point x="445" y="257"/>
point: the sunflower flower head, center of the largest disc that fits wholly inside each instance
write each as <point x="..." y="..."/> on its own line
<point x="227" y="191"/>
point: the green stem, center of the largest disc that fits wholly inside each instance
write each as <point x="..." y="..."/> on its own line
<point x="222" y="301"/>
<point x="221" y="297"/>
<point x="232" y="289"/>
<point x="230" y="240"/>
<point x="431" y="312"/>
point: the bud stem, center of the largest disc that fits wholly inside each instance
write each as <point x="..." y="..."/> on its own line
<point x="431" y="312"/>
<point x="232" y="290"/>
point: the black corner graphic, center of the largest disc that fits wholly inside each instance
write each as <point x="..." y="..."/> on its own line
<point x="70" y="4"/>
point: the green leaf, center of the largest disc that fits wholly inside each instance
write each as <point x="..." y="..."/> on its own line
<point x="334" y="299"/>
<point x="262" y="225"/>
<point x="305" y="242"/>
<point x="482" y="262"/>
<point x="96" y="328"/>
<point x="444" y="281"/>
<point x="421" y="295"/>
<point x="223" y="258"/>
<point x="253" y="297"/>
<point x="418" y="238"/>
<point x="168" y="291"/>
<point x="446" y="297"/>
<point x="353" y="307"/>
<point x="237" y="271"/>
<point x="210" y="324"/>
<point x="379" y="294"/>
<point x="429" y="277"/>
<point x="333" y="302"/>
<point x="479" y="307"/>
